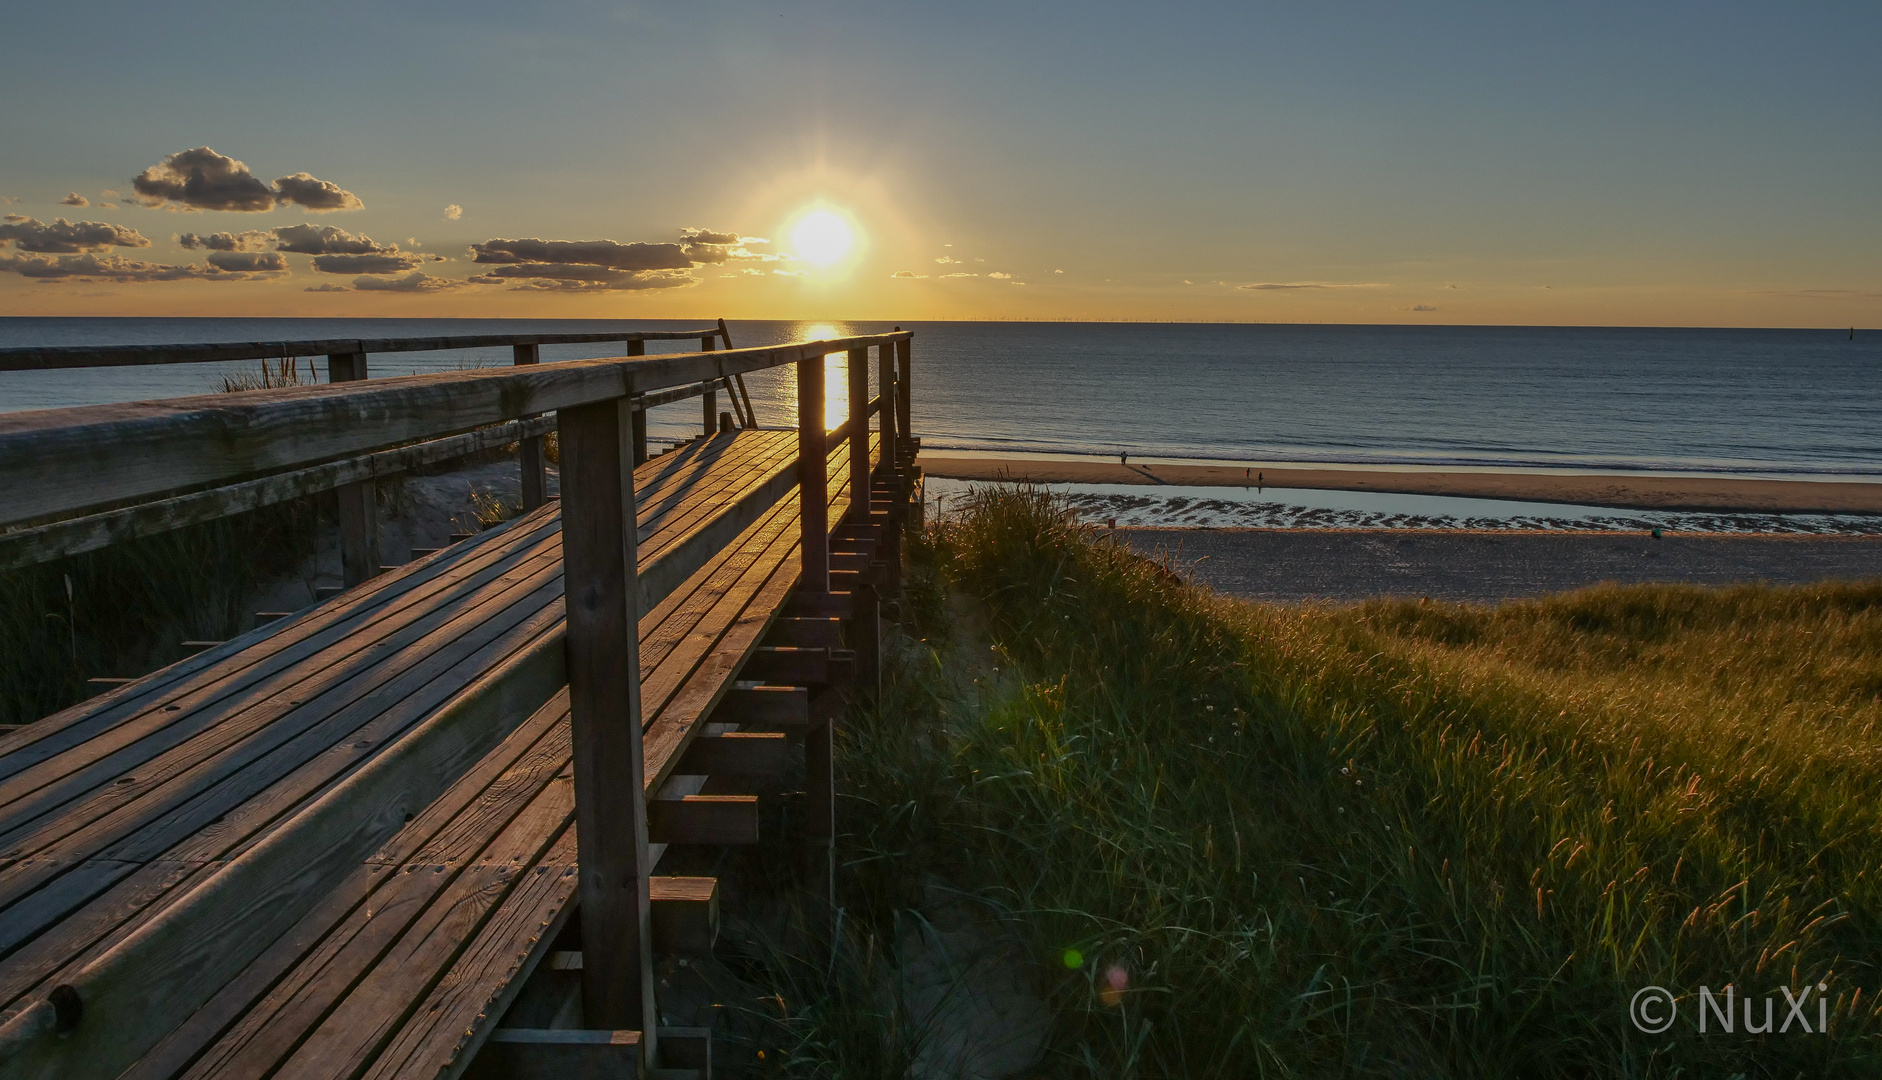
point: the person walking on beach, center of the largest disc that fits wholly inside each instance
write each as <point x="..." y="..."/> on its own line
<point x="1123" y="457"/>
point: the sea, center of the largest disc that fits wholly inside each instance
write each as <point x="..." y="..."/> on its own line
<point x="1767" y="403"/>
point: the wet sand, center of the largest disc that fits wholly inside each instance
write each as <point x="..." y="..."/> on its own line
<point x="1347" y="565"/>
<point x="1723" y="494"/>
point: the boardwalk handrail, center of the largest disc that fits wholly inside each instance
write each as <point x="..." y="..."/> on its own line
<point x="41" y="358"/>
<point x="64" y="461"/>
<point x="107" y="1010"/>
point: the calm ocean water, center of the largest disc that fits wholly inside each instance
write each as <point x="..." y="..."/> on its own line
<point x="1753" y="401"/>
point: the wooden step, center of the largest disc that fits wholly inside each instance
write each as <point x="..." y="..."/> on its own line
<point x="558" y="1054"/>
<point x="703" y="819"/>
<point x="685" y="914"/>
<point x="739" y="753"/>
<point x="806" y="632"/>
<point x="764" y="706"/>
<point x="798" y="666"/>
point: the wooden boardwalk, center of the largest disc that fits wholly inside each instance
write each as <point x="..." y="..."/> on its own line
<point x="344" y="844"/>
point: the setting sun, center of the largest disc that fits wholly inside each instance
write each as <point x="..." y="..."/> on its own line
<point x="822" y="237"/>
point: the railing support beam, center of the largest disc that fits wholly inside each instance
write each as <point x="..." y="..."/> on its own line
<point x="599" y="560"/>
<point x="530" y="460"/>
<point x="639" y="348"/>
<point x="357" y="509"/>
<point x="859" y="435"/>
<point x="812" y="463"/>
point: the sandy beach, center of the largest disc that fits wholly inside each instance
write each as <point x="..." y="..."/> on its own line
<point x="1701" y="493"/>
<point x="1338" y="565"/>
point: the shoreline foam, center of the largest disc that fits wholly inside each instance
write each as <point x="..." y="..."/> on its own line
<point x="1712" y="494"/>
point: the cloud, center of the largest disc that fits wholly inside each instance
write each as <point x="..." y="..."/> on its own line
<point x="326" y="287"/>
<point x="453" y="212"/>
<point x="326" y="240"/>
<point x="248" y="261"/>
<point x="624" y="282"/>
<point x="601" y="265"/>
<point x="73" y="198"/>
<point x="89" y="267"/>
<point x="7" y="200"/>
<point x="1058" y="271"/>
<point x="706" y="246"/>
<point x="66" y="237"/>
<point x="415" y="282"/>
<point x="314" y="195"/>
<point x="393" y="261"/>
<point x="1265" y="286"/>
<point x="707" y="236"/>
<point x="1002" y="277"/>
<point x="605" y="254"/>
<point x="959" y="273"/>
<point x="1421" y="307"/>
<point x="201" y="179"/>
<point x="252" y="240"/>
<point x="908" y="274"/>
<point x="944" y="260"/>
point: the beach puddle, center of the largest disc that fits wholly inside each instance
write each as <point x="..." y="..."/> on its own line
<point x="1136" y="505"/>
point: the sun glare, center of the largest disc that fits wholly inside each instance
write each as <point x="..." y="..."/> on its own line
<point x="822" y="237"/>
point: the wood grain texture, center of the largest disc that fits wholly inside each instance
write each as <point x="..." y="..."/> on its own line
<point x="603" y="608"/>
<point x="24" y="547"/>
<point x="62" y="461"/>
<point x="77" y="356"/>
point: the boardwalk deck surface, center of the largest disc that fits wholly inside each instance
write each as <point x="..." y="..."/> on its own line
<point x="113" y="811"/>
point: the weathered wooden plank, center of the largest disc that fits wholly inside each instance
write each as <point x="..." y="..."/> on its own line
<point x="62" y="461"/>
<point x="146" y="984"/>
<point x="33" y="358"/>
<point x="25" y="547"/>
<point x="95" y="748"/>
<point x="834" y="463"/>
<point x="388" y="963"/>
<point x="521" y="765"/>
<point x="412" y="675"/>
<point x="475" y="572"/>
<point x="598" y="544"/>
<point x="448" y="1025"/>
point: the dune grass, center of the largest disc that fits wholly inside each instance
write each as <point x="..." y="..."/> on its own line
<point x="1397" y="839"/>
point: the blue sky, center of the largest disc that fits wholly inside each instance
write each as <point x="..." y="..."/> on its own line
<point x="1672" y="163"/>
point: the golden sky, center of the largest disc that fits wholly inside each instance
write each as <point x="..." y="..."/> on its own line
<point x="1381" y="163"/>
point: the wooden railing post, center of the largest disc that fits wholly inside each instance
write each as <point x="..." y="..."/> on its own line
<point x="891" y="471"/>
<point x="710" y="399"/>
<point x="535" y="483"/>
<point x="887" y="389"/>
<point x="639" y="348"/>
<point x="811" y="465"/>
<point x="903" y="424"/>
<point x="599" y="560"/>
<point x="358" y="515"/>
<point x="859" y="435"/>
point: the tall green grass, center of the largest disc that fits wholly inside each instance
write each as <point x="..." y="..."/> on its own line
<point x="1397" y="839"/>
